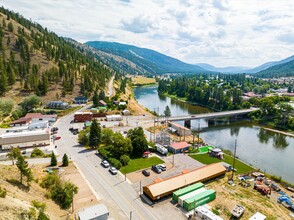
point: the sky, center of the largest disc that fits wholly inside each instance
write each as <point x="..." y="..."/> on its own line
<point x="218" y="32"/>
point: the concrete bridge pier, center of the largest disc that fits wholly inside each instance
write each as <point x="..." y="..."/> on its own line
<point x="187" y="123"/>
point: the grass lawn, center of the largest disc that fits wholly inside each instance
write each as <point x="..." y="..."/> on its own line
<point x="239" y="166"/>
<point x="142" y="80"/>
<point x="140" y="163"/>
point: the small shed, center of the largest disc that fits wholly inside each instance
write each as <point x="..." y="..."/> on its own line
<point x="179" y="147"/>
<point x="102" y="103"/>
<point x="114" y="118"/>
<point x="96" y="212"/>
<point x="126" y="112"/>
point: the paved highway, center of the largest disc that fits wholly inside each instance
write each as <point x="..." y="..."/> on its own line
<point x="123" y="200"/>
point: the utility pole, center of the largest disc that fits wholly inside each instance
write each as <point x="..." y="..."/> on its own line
<point x="140" y="187"/>
<point x="232" y="178"/>
<point x="131" y="212"/>
<point x="125" y="170"/>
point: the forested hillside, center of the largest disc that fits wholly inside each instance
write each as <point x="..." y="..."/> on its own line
<point x="35" y="60"/>
<point x="132" y="60"/>
<point x="281" y="70"/>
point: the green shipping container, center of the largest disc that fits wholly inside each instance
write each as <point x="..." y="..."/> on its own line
<point x="186" y="190"/>
<point x="199" y="199"/>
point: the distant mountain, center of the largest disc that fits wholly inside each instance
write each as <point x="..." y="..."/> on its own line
<point x="229" y="69"/>
<point x="268" y="65"/>
<point x="131" y="59"/>
<point x="279" y="70"/>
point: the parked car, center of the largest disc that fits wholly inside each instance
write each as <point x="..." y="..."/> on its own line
<point x="162" y="167"/>
<point x="146" y="173"/>
<point x="54" y="129"/>
<point x="156" y="169"/>
<point x="113" y="170"/>
<point x="57" y="138"/>
<point x="105" y="163"/>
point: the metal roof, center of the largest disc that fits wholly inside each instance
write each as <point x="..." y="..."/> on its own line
<point x="93" y="212"/>
<point x="185" y="179"/>
<point x="24" y="136"/>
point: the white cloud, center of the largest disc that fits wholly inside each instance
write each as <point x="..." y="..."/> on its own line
<point x="219" y="32"/>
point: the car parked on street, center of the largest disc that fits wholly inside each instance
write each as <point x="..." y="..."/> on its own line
<point x="146" y="173"/>
<point x="162" y="167"/>
<point x="113" y="170"/>
<point x="156" y="169"/>
<point x="105" y="163"/>
<point x="54" y="129"/>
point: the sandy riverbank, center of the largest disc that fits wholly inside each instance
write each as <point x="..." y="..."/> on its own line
<point x="280" y="132"/>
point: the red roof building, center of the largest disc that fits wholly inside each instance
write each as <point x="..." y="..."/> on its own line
<point x="179" y="147"/>
<point x="24" y="121"/>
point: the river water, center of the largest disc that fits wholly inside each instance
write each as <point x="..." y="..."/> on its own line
<point x="270" y="151"/>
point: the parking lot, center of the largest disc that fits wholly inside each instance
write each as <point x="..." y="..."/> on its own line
<point x="181" y="162"/>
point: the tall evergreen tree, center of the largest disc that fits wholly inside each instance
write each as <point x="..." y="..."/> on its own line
<point x="65" y="160"/>
<point x="13" y="154"/>
<point x="22" y="165"/>
<point x="167" y="112"/>
<point x="95" y="99"/>
<point x="53" y="159"/>
<point x="95" y="134"/>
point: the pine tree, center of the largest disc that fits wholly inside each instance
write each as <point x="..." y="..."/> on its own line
<point x="22" y="165"/>
<point x="65" y="160"/>
<point x="167" y="112"/>
<point x="95" y="134"/>
<point x="95" y="99"/>
<point x="53" y="159"/>
<point x="13" y="154"/>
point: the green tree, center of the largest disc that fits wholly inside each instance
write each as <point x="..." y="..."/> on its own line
<point x="22" y="165"/>
<point x="65" y="160"/>
<point x="167" y="112"/>
<point x="107" y="136"/>
<point x="102" y="95"/>
<point x="13" y="154"/>
<point x="53" y="159"/>
<point x="63" y="194"/>
<point x="121" y="145"/>
<point x="139" y="142"/>
<point x="30" y="103"/>
<point x="29" y="176"/>
<point x="42" y="216"/>
<point x="95" y="99"/>
<point x="3" y="83"/>
<point x="95" y="134"/>
<point x="125" y="159"/>
<point x="83" y="136"/>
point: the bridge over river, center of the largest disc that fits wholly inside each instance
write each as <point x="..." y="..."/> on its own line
<point x="211" y="115"/>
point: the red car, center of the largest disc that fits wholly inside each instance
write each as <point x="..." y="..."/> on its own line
<point x="57" y="138"/>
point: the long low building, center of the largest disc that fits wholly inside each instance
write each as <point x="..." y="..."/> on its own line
<point x="25" y="139"/>
<point x="166" y="187"/>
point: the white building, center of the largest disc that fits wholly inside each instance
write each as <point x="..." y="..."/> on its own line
<point x="203" y="213"/>
<point x="96" y="212"/>
<point x="37" y="117"/>
<point x="114" y="118"/>
<point x="25" y="139"/>
<point x="126" y="112"/>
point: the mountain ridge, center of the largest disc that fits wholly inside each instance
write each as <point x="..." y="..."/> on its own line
<point x="151" y="61"/>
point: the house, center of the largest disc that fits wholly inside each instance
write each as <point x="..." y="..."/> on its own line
<point x="25" y="139"/>
<point x="102" y="103"/>
<point x="37" y="117"/>
<point x="38" y="125"/>
<point x="126" y="112"/>
<point x="24" y="121"/>
<point x="57" y="105"/>
<point x="83" y="116"/>
<point x="96" y="212"/>
<point x="179" y="147"/>
<point x="180" y="130"/>
<point x="80" y="100"/>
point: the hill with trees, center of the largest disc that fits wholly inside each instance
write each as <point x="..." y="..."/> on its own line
<point x="34" y="60"/>
<point x="281" y="70"/>
<point x="131" y="59"/>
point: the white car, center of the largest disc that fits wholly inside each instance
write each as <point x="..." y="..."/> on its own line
<point x="113" y="170"/>
<point x="105" y="163"/>
<point x="162" y="167"/>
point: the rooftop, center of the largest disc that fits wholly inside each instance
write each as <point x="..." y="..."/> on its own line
<point x="179" y="145"/>
<point x="93" y="212"/>
<point x="39" y="115"/>
<point x="20" y="120"/>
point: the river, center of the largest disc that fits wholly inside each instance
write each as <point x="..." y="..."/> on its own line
<point x="271" y="152"/>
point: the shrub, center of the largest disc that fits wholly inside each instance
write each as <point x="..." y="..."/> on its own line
<point x="37" y="153"/>
<point x="125" y="159"/>
<point x="3" y="193"/>
<point x="39" y="205"/>
<point x="103" y="152"/>
<point x="116" y="163"/>
<point x="53" y="159"/>
<point x="63" y="194"/>
<point x="50" y="181"/>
